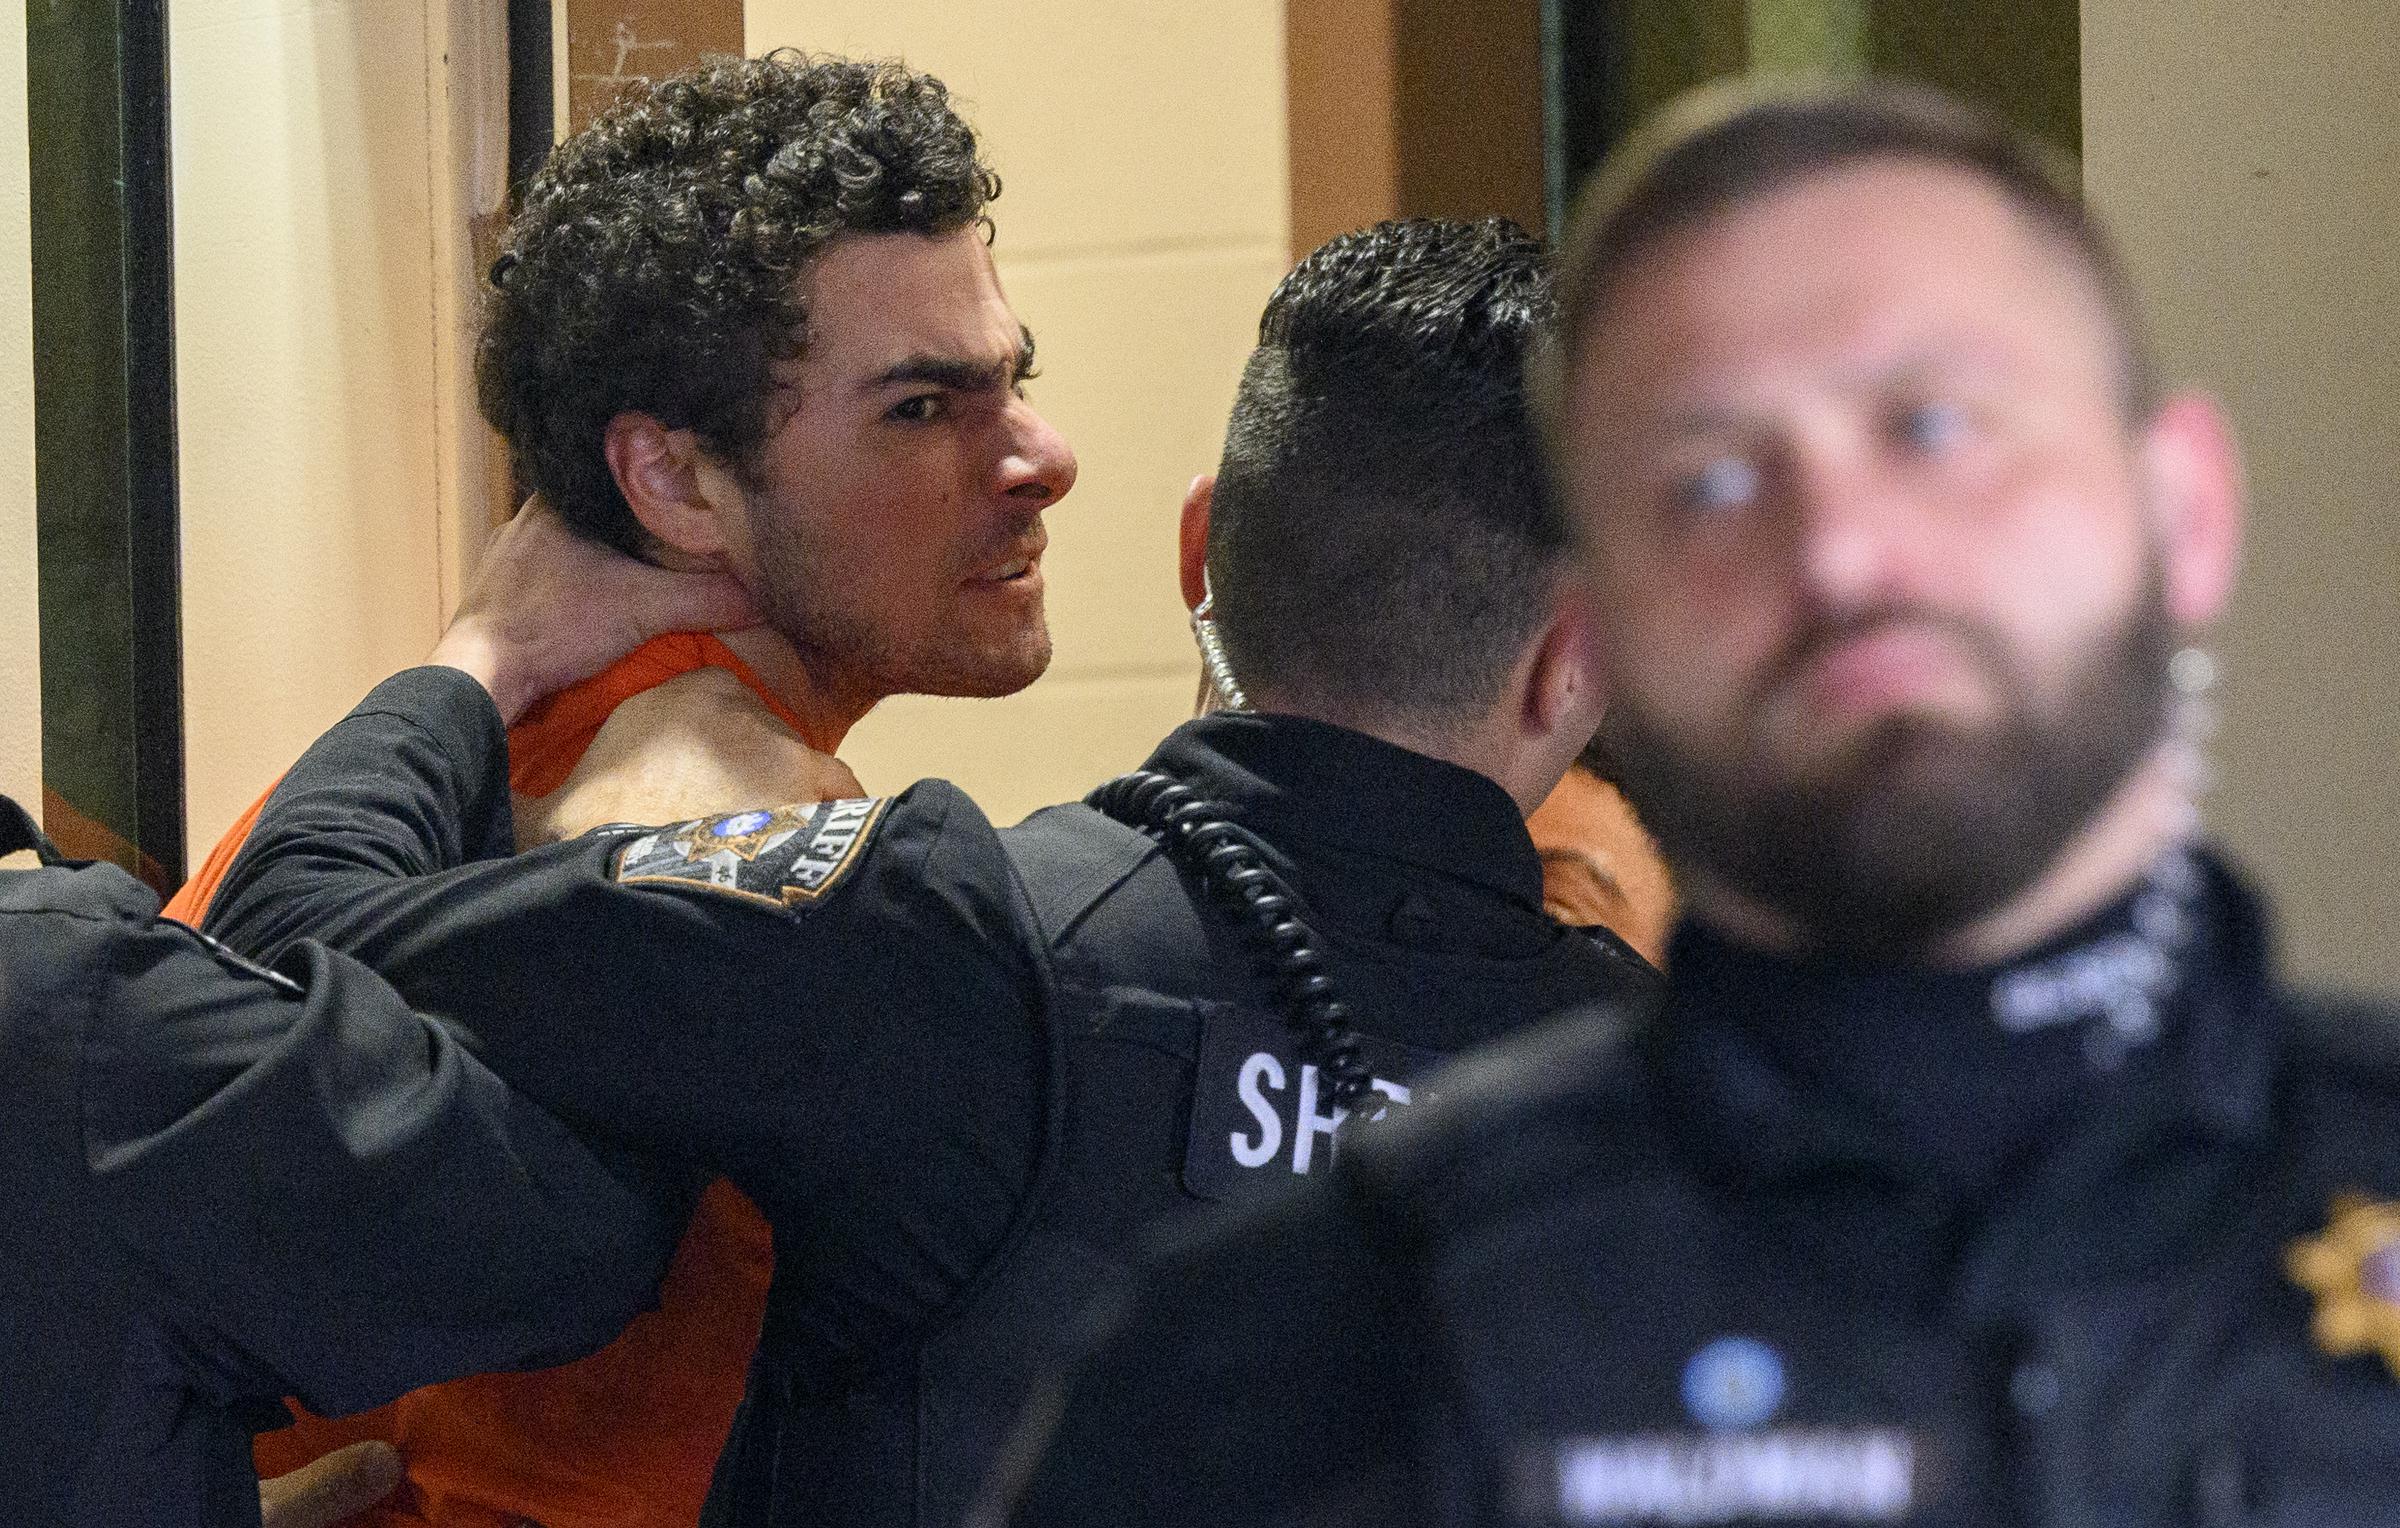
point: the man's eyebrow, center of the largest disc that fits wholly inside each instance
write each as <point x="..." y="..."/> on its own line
<point x="958" y="374"/>
<point x="1702" y="419"/>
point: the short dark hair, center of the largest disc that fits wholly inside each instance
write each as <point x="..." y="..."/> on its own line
<point x="655" y="264"/>
<point x="1381" y="535"/>
<point x="1733" y="144"/>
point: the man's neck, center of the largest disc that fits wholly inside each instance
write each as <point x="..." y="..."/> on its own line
<point x="2149" y="812"/>
<point x="827" y="712"/>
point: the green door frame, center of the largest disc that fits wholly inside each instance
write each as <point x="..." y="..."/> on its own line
<point x="106" y="518"/>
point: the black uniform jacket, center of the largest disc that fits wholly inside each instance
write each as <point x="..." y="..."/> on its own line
<point x="1821" y="1244"/>
<point x="958" y="1069"/>
<point x="223" y="1185"/>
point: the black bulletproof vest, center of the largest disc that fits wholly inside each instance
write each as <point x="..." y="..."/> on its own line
<point x="2183" y="1389"/>
<point x="1174" y="1085"/>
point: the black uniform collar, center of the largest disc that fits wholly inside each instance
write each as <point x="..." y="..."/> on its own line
<point x="1788" y="1065"/>
<point x="1287" y="778"/>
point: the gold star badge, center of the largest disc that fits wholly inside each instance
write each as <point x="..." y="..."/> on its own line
<point x="2354" y="1271"/>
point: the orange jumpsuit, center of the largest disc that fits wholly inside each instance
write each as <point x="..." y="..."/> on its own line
<point x="628" y="1437"/>
<point x="1599" y="865"/>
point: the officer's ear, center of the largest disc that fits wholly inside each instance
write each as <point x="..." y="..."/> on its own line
<point x="684" y="500"/>
<point x="1563" y="695"/>
<point x="1191" y="539"/>
<point x="2191" y="473"/>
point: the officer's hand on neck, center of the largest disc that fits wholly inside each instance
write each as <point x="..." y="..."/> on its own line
<point x="546" y="608"/>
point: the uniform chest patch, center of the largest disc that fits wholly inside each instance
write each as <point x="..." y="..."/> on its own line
<point x="1260" y="1116"/>
<point x="788" y="856"/>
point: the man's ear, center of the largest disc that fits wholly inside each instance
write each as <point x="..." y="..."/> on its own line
<point x="2192" y="475"/>
<point x="676" y="493"/>
<point x="1192" y="539"/>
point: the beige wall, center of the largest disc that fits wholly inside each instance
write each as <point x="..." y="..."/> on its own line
<point x="2243" y="153"/>
<point x="20" y="676"/>
<point x="1142" y="225"/>
<point x="316" y="336"/>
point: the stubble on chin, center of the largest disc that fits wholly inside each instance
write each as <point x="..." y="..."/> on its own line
<point x="1004" y="671"/>
<point x="980" y="667"/>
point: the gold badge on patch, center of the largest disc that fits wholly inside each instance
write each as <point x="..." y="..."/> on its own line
<point x="785" y="858"/>
<point x="2353" y="1269"/>
<point x="744" y="834"/>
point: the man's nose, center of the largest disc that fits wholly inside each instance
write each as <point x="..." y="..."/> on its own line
<point x="1040" y="466"/>
<point x="1854" y="528"/>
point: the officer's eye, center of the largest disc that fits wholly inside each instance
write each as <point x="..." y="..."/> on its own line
<point x="918" y="408"/>
<point x="1728" y="482"/>
<point x="1930" y="426"/>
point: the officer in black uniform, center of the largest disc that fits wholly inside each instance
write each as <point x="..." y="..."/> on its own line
<point x="1978" y="1168"/>
<point x="960" y="1070"/>
<point x="189" y="1142"/>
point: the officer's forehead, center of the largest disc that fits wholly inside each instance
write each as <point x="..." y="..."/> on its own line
<point x="1878" y="265"/>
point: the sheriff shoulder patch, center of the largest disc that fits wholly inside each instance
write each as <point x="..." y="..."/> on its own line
<point x="787" y="857"/>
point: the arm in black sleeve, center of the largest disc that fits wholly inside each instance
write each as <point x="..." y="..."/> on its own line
<point x="841" y="1011"/>
<point x="414" y="780"/>
<point x="332" y="1187"/>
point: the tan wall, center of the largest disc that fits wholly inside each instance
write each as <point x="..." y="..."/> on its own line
<point x="2243" y="153"/>
<point x="314" y="334"/>
<point x="20" y="673"/>
<point x="1142" y="226"/>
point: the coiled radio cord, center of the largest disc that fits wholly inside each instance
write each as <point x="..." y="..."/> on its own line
<point x="1197" y="834"/>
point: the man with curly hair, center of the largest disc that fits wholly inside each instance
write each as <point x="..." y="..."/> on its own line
<point x="747" y="320"/>
<point x="751" y="320"/>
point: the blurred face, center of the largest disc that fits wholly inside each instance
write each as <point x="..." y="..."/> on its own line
<point x="892" y="526"/>
<point x="1882" y="586"/>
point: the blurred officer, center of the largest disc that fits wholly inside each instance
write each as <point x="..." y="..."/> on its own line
<point x="961" y="1070"/>
<point x="187" y="1141"/>
<point x="1979" y="1169"/>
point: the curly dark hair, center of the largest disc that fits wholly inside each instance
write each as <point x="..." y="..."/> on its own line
<point x="654" y="264"/>
<point x="1381" y="532"/>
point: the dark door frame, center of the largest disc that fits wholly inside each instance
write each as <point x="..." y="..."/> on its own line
<point x="107" y="533"/>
